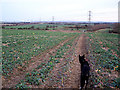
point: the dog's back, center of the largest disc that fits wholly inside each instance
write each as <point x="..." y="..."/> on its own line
<point x="84" y="71"/>
<point x="85" y="68"/>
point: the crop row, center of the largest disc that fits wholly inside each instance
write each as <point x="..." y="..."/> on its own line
<point x="20" y="46"/>
<point x="109" y="41"/>
<point x="102" y="58"/>
<point x="41" y="73"/>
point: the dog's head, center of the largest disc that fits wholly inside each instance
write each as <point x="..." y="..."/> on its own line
<point x="82" y="59"/>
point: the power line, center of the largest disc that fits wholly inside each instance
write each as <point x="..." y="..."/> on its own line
<point x="89" y="16"/>
<point x="89" y="20"/>
<point x="53" y="21"/>
<point x="53" y="18"/>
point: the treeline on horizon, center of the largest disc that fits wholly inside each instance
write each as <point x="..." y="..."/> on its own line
<point x="114" y="27"/>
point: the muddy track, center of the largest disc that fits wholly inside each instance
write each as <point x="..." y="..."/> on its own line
<point x="20" y="74"/>
<point x="74" y="74"/>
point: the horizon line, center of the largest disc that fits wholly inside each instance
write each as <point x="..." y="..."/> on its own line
<point x="55" y="21"/>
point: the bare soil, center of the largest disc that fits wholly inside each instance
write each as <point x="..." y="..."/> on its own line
<point x="74" y="75"/>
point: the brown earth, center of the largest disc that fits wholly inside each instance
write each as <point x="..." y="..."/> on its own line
<point x="74" y="76"/>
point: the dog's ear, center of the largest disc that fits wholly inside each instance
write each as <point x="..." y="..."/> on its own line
<point x="80" y="59"/>
<point x="83" y="56"/>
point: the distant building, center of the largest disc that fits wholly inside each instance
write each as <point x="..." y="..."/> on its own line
<point x="119" y="11"/>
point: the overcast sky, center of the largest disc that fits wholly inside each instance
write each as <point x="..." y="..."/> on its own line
<point x="62" y="10"/>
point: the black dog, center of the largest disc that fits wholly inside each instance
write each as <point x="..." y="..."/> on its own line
<point x="85" y="68"/>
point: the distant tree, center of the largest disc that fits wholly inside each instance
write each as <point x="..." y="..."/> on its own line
<point x="3" y="27"/>
<point x="77" y="27"/>
<point x="86" y="26"/>
<point x="32" y="27"/>
<point x="20" y="28"/>
<point x="47" y="27"/>
<point x="116" y="28"/>
<point x="38" y="28"/>
<point x="98" y="27"/>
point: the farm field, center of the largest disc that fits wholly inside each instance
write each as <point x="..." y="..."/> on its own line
<point x="41" y="26"/>
<point x="48" y="59"/>
<point x="104" y="59"/>
<point x="44" y="27"/>
<point x="20" y="47"/>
